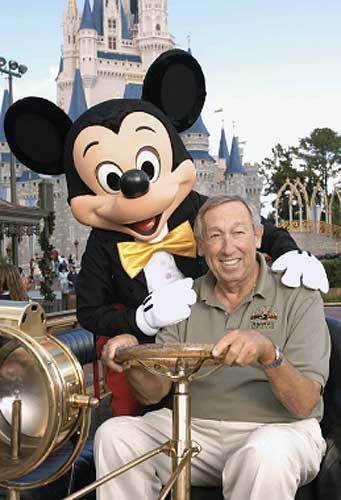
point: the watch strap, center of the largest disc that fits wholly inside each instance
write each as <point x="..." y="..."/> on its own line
<point x="277" y="361"/>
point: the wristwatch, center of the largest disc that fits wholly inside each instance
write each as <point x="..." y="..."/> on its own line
<point x="278" y="359"/>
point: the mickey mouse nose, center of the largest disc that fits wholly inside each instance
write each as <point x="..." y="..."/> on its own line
<point x="134" y="183"/>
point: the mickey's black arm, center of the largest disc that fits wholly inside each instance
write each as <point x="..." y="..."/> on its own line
<point x="276" y="241"/>
<point x="96" y="295"/>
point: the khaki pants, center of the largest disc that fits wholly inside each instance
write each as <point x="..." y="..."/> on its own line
<point x="253" y="461"/>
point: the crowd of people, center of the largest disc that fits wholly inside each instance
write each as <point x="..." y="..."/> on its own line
<point x="17" y="282"/>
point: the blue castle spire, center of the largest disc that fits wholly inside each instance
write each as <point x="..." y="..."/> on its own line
<point x="78" y="102"/>
<point x="4" y="108"/>
<point x="134" y="9"/>
<point x="235" y="166"/>
<point x="133" y="91"/>
<point x="87" y="22"/>
<point x="124" y="24"/>
<point x="97" y="15"/>
<point x="198" y="127"/>
<point x="223" y="153"/>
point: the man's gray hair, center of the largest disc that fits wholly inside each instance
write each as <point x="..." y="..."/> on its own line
<point x="220" y="199"/>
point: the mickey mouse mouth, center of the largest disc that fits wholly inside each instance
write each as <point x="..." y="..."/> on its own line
<point x="147" y="226"/>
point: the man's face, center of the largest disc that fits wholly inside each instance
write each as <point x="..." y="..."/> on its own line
<point x="229" y="243"/>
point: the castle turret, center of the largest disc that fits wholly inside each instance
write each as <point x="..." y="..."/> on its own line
<point x="98" y="16"/>
<point x="153" y="35"/>
<point x="235" y="166"/>
<point x="78" y="101"/>
<point x="69" y="57"/>
<point x="223" y="154"/>
<point x="87" y="37"/>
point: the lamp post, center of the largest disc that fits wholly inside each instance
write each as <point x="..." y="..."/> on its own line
<point x="76" y="243"/>
<point x="12" y="68"/>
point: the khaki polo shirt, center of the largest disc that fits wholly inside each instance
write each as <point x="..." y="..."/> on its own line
<point x="292" y="318"/>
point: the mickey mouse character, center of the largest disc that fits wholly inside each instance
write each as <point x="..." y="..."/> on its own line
<point x="130" y="178"/>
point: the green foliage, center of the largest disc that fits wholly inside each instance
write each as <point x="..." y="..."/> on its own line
<point x="45" y="264"/>
<point x="336" y="212"/>
<point x="316" y="158"/>
<point x="275" y="171"/>
<point x="320" y="154"/>
<point x="331" y="298"/>
<point x="333" y="270"/>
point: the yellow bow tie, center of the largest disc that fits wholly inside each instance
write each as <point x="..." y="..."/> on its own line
<point x="135" y="255"/>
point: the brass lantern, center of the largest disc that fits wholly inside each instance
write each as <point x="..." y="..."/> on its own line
<point x="42" y="396"/>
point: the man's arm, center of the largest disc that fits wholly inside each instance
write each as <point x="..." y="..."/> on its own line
<point x="298" y="393"/>
<point x="307" y="347"/>
<point x="148" y="388"/>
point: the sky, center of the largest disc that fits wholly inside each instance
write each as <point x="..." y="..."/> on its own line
<point x="273" y="66"/>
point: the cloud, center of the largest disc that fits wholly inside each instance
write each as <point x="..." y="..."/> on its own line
<point x="31" y="84"/>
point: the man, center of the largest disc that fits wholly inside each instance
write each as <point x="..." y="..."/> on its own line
<point x="256" y="418"/>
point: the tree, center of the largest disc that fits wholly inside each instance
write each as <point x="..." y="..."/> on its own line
<point x="276" y="170"/>
<point x="321" y="155"/>
<point x="45" y="263"/>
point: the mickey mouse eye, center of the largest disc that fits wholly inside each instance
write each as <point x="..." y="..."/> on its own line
<point x="148" y="160"/>
<point x="109" y="177"/>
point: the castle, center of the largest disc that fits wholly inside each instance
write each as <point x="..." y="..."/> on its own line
<point x="107" y="49"/>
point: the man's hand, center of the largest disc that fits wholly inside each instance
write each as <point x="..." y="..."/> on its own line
<point x="243" y="347"/>
<point x="109" y="350"/>
<point x="166" y="306"/>
<point x="297" y="265"/>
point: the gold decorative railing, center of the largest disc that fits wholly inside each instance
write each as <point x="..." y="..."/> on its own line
<point x="308" y="226"/>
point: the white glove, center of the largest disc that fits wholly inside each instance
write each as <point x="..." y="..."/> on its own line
<point x="166" y="306"/>
<point x="296" y="264"/>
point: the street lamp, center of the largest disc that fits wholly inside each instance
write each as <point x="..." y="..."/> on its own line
<point x="76" y="243"/>
<point x="12" y="68"/>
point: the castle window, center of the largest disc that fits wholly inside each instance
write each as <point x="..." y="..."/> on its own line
<point x="112" y="24"/>
<point x="112" y="43"/>
<point x="158" y="27"/>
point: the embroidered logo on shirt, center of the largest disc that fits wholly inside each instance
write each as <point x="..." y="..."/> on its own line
<point x="264" y="318"/>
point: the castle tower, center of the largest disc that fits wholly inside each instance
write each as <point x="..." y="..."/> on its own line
<point x="196" y="140"/>
<point x="87" y="39"/>
<point x="153" y="35"/>
<point x="223" y="154"/>
<point x="78" y="101"/>
<point x="235" y="164"/>
<point x="69" y="58"/>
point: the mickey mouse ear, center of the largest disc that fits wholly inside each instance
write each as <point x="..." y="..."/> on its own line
<point x="36" y="130"/>
<point x="175" y="84"/>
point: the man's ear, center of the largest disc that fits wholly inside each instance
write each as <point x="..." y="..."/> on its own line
<point x="36" y="131"/>
<point x="200" y="248"/>
<point x="175" y="84"/>
<point x="259" y="236"/>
